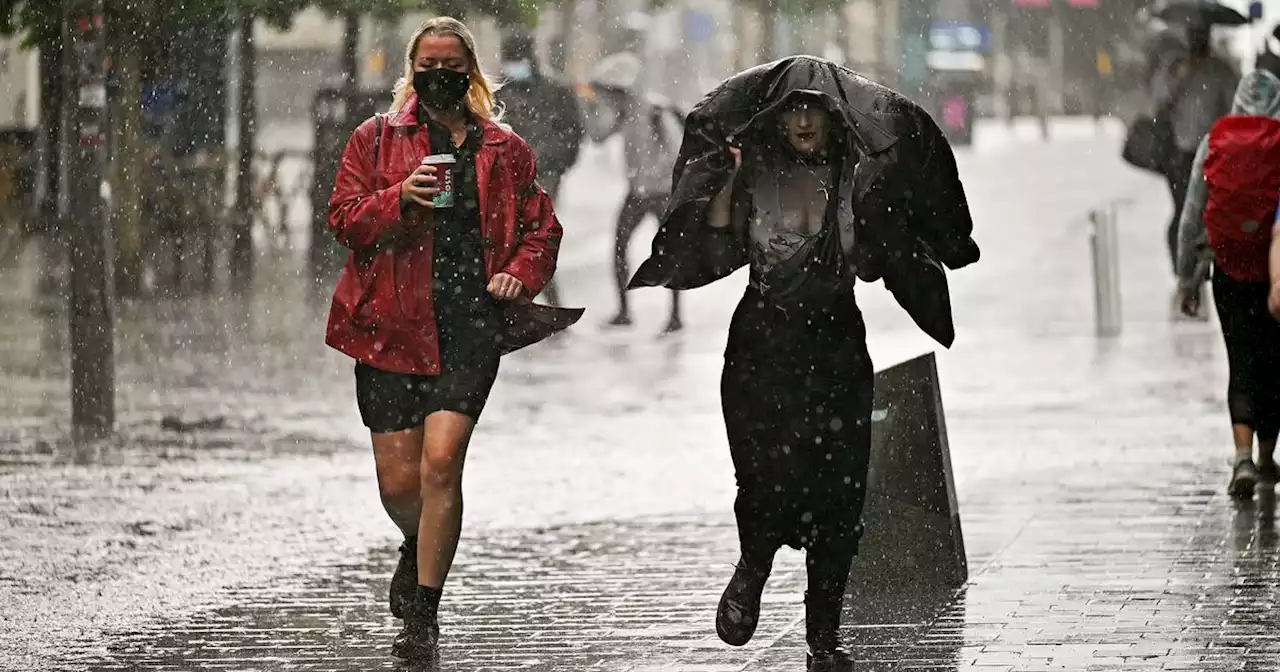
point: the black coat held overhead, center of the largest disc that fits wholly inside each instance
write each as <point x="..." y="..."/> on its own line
<point x="904" y="199"/>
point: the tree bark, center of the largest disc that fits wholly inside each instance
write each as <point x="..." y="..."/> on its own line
<point x="560" y="36"/>
<point x="350" y="51"/>
<point x="242" y="262"/>
<point x="91" y="311"/>
<point x="768" y="32"/>
<point x="130" y="26"/>
<point x="52" y="271"/>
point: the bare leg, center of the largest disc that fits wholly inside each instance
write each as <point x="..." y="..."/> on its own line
<point x="443" y="452"/>
<point x="396" y="456"/>
<point x="1243" y="438"/>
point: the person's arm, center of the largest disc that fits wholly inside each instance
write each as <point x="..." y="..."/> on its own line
<point x="1193" y="240"/>
<point x="1273" y="299"/>
<point x="719" y="214"/>
<point x="534" y="261"/>
<point x="360" y="216"/>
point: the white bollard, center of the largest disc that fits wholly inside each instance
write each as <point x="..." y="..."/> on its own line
<point x="1104" y="244"/>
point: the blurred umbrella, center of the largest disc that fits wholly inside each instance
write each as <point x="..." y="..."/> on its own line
<point x="1201" y="11"/>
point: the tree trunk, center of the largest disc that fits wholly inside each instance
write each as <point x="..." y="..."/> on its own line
<point x="560" y="36"/>
<point x="52" y="271"/>
<point x="242" y="270"/>
<point x="350" y="51"/>
<point x="768" y="32"/>
<point x="91" y="315"/>
<point x="127" y="172"/>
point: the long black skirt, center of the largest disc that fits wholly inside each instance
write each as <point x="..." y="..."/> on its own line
<point x="796" y="394"/>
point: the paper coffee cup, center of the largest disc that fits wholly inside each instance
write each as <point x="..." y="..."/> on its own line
<point x="444" y="178"/>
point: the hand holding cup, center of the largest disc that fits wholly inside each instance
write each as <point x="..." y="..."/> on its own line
<point x="420" y="187"/>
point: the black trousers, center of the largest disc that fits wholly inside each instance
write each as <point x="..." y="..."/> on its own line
<point x="634" y="209"/>
<point x="797" y="393"/>
<point x="1179" y="179"/>
<point x="1252" y="338"/>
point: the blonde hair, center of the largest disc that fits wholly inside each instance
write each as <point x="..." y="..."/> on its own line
<point x="481" y="100"/>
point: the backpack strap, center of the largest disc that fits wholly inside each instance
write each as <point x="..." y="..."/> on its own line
<point x="377" y="137"/>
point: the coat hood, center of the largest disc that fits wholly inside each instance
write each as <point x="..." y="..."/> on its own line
<point x="1258" y="95"/>
<point x="912" y="219"/>
<point x="743" y="102"/>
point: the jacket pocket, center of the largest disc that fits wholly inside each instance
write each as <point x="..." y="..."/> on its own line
<point x="375" y="302"/>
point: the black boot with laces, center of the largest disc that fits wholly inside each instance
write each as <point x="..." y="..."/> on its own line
<point x="739" y="610"/>
<point x="405" y="579"/>
<point x="419" y="641"/>
<point x="822" y="633"/>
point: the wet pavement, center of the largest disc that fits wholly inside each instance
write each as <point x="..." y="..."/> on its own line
<point x="248" y="536"/>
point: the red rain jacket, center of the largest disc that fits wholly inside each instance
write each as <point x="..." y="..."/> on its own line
<point x="382" y="312"/>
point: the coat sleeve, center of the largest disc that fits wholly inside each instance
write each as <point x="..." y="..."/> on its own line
<point x="539" y="231"/>
<point x="1194" y="254"/>
<point x="937" y="211"/>
<point x="687" y="252"/>
<point x="359" y="214"/>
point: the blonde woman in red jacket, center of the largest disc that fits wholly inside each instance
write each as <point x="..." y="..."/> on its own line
<point x="444" y="260"/>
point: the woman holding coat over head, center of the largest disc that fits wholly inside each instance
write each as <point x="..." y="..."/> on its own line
<point x="813" y="177"/>
<point x="446" y="253"/>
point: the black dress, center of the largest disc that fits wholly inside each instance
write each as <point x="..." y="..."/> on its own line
<point x="797" y="392"/>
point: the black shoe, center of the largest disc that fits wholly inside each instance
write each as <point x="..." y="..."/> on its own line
<point x="622" y="319"/>
<point x="1244" y="478"/>
<point x="405" y="580"/>
<point x="739" y="610"/>
<point x="829" y="661"/>
<point x="673" y="326"/>
<point x="1268" y="473"/>
<point x="419" y="640"/>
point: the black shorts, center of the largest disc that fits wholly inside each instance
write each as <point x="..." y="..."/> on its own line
<point x="391" y="402"/>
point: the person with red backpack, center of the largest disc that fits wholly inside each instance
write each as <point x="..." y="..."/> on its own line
<point x="1227" y="225"/>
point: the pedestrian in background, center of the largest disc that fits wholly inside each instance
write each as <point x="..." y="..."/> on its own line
<point x="650" y="128"/>
<point x="811" y="176"/>
<point x="445" y="255"/>
<point x="1196" y="90"/>
<point x="1226" y="224"/>
<point x="545" y="112"/>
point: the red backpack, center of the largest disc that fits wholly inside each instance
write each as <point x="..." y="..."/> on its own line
<point x="1242" y="172"/>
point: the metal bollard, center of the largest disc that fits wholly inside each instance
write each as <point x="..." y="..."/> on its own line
<point x="1105" y="248"/>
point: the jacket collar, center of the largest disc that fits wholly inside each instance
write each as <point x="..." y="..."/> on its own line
<point x="407" y="116"/>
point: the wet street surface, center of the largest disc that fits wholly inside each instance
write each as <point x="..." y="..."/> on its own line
<point x="235" y="524"/>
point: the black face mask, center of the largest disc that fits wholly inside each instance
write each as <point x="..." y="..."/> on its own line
<point x="440" y="88"/>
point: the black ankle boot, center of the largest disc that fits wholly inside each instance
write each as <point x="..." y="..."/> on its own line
<point x="822" y="633"/>
<point x="739" y="611"/>
<point x="837" y="660"/>
<point x="405" y="579"/>
<point x="419" y="641"/>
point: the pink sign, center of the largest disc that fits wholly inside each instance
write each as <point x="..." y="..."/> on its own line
<point x="955" y="111"/>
